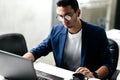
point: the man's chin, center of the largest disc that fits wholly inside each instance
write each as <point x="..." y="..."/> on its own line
<point x="67" y="26"/>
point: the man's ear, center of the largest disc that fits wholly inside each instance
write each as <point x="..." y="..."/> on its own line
<point x="79" y="12"/>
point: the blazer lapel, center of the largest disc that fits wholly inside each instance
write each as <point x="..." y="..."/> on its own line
<point x="62" y="44"/>
<point x="83" y="52"/>
<point x="84" y="47"/>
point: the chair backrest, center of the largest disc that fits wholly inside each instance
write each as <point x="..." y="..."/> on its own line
<point x="14" y="43"/>
<point x="115" y="75"/>
<point x="114" y="50"/>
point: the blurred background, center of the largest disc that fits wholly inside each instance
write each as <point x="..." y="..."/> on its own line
<point x="34" y="18"/>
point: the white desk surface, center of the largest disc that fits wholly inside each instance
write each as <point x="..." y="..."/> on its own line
<point x="114" y="34"/>
<point x="1" y="78"/>
<point x="66" y="74"/>
<point x="54" y="70"/>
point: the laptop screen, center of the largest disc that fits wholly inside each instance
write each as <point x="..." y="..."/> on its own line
<point x="14" y="67"/>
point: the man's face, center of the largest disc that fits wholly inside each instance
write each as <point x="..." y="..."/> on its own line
<point x="67" y="16"/>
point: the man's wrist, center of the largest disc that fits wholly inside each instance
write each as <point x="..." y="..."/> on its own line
<point x="95" y="74"/>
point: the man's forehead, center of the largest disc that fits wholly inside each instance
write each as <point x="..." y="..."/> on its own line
<point x="63" y="10"/>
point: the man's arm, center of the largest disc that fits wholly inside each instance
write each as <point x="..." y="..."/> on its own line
<point x="29" y="56"/>
<point x="101" y="72"/>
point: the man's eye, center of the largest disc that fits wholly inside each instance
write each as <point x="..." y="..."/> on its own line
<point x="68" y="17"/>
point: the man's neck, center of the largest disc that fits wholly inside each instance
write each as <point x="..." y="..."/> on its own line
<point x="76" y="28"/>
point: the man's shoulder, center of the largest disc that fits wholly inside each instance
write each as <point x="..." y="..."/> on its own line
<point x="58" y="27"/>
<point x="91" y="26"/>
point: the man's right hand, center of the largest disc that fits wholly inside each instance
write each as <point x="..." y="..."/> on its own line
<point x="29" y="56"/>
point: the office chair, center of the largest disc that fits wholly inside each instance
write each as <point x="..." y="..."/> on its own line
<point x="114" y="50"/>
<point x="14" y="43"/>
<point x="115" y="75"/>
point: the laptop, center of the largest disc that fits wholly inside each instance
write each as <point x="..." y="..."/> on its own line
<point x="14" y="67"/>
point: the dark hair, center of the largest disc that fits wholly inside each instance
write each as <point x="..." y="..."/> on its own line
<point x="72" y="3"/>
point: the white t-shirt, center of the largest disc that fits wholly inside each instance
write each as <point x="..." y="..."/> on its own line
<point x="72" y="51"/>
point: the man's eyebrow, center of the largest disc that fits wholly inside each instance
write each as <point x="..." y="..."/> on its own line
<point x="68" y="13"/>
<point x="65" y="14"/>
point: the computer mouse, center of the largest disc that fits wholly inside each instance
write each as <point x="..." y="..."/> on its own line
<point x="78" y="76"/>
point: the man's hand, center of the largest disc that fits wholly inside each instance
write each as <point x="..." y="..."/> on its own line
<point x="85" y="71"/>
<point x="29" y="56"/>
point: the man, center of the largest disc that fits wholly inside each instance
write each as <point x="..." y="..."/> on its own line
<point x="76" y="45"/>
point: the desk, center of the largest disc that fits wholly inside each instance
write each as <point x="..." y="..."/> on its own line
<point x="114" y="34"/>
<point x="1" y="78"/>
<point x="66" y="74"/>
<point x="63" y="73"/>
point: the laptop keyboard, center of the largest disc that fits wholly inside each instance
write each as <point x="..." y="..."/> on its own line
<point x="42" y="78"/>
<point x="46" y="76"/>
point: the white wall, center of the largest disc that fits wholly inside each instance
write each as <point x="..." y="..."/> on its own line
<point x="32" y="18"/>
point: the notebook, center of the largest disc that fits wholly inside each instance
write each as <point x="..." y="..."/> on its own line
<point x="14" y="67"/>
